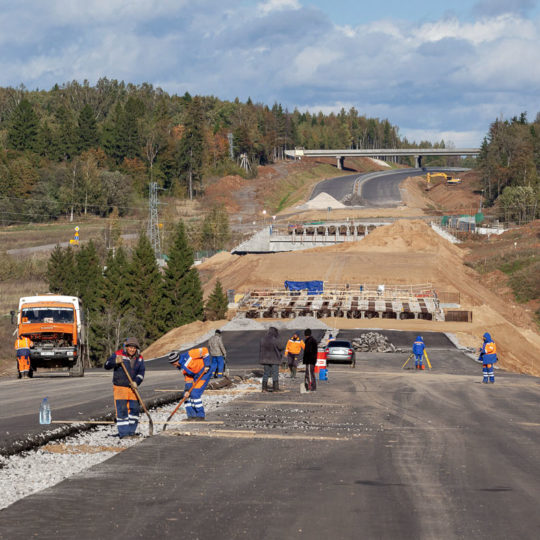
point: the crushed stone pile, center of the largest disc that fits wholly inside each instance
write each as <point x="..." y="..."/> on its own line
<point x="374" y="342"/>
<point x="321" y="202"/>
<point x="243" y="324"/>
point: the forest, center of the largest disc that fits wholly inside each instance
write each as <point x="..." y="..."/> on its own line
<point x="81" y="149"/>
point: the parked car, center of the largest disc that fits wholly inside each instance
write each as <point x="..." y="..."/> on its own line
<point x="340" y="351"/>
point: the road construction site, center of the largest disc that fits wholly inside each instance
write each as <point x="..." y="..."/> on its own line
<point x="378" y="451"/>
<point x="393" y="452"/>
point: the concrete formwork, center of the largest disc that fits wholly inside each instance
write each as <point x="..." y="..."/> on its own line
<point x="350" y="303"/>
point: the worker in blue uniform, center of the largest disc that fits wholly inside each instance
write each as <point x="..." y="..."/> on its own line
<point x="125" y="400"/>
<point x="488" y="357"/>
<point x="418" y="351"/>
<point x="194" y="363"/>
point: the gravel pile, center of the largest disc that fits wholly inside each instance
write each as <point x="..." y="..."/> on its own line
<point x="285" y="324"/>
<point x="239" y="324"/>
<point x="373" y="342"/>
<point x="30" y="472"/>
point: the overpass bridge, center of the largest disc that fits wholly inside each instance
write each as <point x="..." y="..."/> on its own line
<point x="417" y="153"/>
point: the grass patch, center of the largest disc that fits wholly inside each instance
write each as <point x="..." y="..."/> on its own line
<point x="525" y="282"/>
<point x="295" y="187"/>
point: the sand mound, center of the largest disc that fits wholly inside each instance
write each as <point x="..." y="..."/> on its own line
<point x="321" y="202"/>
<point x="182" y="338"/>
<point x="406" y="235"/>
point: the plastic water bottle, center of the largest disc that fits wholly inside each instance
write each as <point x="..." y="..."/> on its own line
<point x="45" y="412"/>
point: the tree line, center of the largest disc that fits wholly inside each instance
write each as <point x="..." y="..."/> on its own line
<point x="509" y="162"/>
<point x="83" y="149"/>
<point x="127" y="294"/>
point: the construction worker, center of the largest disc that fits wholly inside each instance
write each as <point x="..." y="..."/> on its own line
<point x="488" y="357"/>
<point x="22" y="346"/>
<point x="194" y="363"/>
<point x="418" y="351"/>
<point x="310" y="359"/>
<point x="125" y="400"/>
<point x="292" y="351"/>
<point x="218" y="354"/>
<point x="270" y="353"/>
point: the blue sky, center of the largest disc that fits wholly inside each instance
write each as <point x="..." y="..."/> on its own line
<point x="436" y="71"/>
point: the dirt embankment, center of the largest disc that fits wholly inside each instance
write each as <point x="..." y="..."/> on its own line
<point x="406" y="252"/>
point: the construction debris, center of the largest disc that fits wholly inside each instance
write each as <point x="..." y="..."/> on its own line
<point x="374" y="342"/>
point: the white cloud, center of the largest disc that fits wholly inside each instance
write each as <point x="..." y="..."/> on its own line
<point x="277" y="5"/>
<point x="446" y="76"/>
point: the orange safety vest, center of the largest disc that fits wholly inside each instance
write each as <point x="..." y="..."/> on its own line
<point x="23" y="343"/>
<point x="294" y="346"/>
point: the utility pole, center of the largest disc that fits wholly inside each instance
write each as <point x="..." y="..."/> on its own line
<point x="153" y="222"/>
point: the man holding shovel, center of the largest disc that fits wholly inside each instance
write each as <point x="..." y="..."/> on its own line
<point x="128" y="365"/>
<point x="196" y="367"/>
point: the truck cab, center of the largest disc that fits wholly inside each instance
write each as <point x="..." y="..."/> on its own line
<point x="55" y="325"/>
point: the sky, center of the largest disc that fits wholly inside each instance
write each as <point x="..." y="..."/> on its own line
<point x="434" y="71"/>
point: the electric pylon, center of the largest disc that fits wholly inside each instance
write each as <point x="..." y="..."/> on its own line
<point x="153" y="221"/>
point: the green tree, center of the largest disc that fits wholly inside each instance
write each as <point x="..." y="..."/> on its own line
<point x="87" y="132"/>
<point x="217" y="304"/>
<point x="66" y="137"/>
<point x="23" y="131"/>
<point x="56" y="271"/>
<point x="90" y="283"/>
<point x="147" y="297"/>
<point x="190" y="150"/>
<point x="182" y="283"/>
<point x="61" y="271"/>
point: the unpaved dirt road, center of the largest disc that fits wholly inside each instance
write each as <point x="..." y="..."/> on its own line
<point x="376" y="452"/>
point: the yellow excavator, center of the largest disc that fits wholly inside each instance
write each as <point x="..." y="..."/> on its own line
<point x="449" y="179"/>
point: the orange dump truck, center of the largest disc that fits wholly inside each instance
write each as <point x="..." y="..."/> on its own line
<point x="55" y="325"/>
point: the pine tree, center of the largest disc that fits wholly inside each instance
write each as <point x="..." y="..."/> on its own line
<point x="23" y="131"/>
<point x="66" y="138"/>
<point x="190" y="152"/>
<point x="90" y="282"/>
<point x="182" y="283"/>
<point x="61" y="272"/>
<point x="146" y="290"/>
<point x="46" y="143"/>
<point x="116" y="290"/>
<point x="87" y="133"/>
<point x="217" y="304"/>
<point x="56" y="271"/>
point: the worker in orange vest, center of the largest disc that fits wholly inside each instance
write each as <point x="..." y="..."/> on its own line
<point x="292" y="351"/>
<point x="195" y="365"/>
<point x="22" y="346"/>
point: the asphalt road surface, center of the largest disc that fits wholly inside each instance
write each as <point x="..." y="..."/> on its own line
<point x="377" y="452"/>
<point x="338" y="187"/>
<point x="380" y="189"/>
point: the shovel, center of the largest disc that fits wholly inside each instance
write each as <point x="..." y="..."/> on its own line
<point x="186" y="395"/>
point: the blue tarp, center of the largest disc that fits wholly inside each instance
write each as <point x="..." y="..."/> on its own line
<point x="313" y="287"/>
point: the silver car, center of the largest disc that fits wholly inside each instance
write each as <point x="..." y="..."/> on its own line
<point x="339" y="350"/>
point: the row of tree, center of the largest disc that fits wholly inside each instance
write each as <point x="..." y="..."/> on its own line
<point x="57" y="147"/>
<point x="129" y="295"/>
<point x="510" y="165"/>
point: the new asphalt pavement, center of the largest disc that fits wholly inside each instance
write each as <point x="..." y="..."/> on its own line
<point x="376" y="452"/>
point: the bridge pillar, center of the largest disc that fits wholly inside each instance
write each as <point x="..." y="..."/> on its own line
<point x="418" y="161"/>
<point x="340" y="161"/>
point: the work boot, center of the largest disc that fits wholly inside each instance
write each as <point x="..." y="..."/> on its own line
<point x="294" y="373"/>
<point x="265" y="386"/>
<point x="275" y="387"/>
<point x="422" y="367"/>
